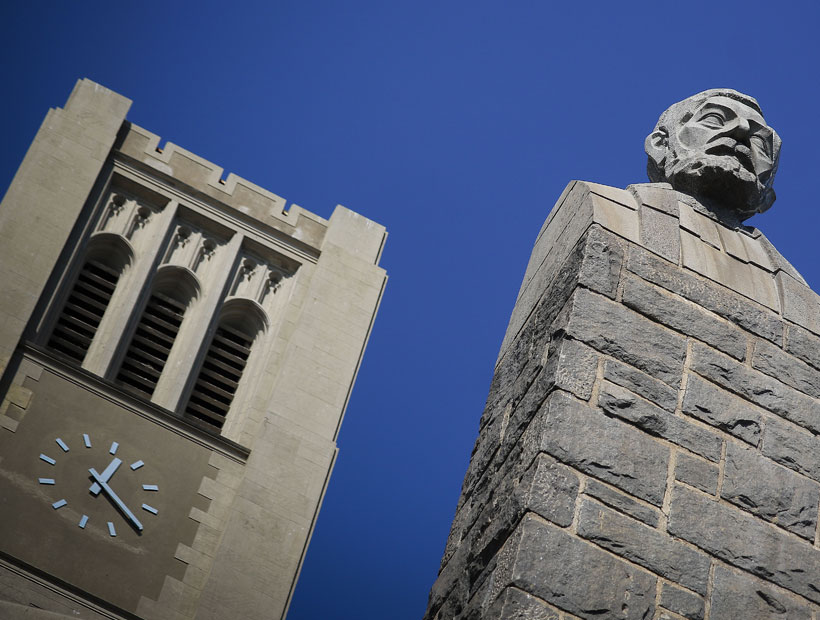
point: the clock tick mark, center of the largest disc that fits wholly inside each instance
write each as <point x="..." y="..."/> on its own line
<point x="111" y="529"/>
<point x="59" y="504"/>
<point x="86" y="440"/>
<point x="83" y="521"/>
<point x="62" y="444"/>
<point x="150" y="509"/>
<point x="114" y="447"/>
<point x="46" y="480"/>
<point x="136" y="465"/>
<point x="47" y="459"/>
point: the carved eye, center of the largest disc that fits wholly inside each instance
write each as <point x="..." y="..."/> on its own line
<point x="761" y="145"/>
<point x="713" y="119"/>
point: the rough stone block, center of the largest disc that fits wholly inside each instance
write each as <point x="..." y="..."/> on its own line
<point x="571" y="366"/>
<point x="620" y="454"/>
<point x="801" y="305"/>
<point x="486" y="517"/>
<point x="556" y="255"/>
<point x="746" y="542"/>
<point x="610" y="589"/>
<point x="485" y="450"/>
<point x="739" y="595"/>
<point x="659" y="233"/>
<point x="622" y="503"/>
<point x="619" y="402"/>
<point x="796" y="449"/>
<point x="683" y="602"/>
<point x="697" y="473"/>
<point x="513" y="374"/>
<point x="709" y="403"/>
<point x="603" y="255"/>
<point x="804" y="345"/>
<point x="644" y="546"/>
<point x="684" y="316"/>
<point x="561" y="214"/>
<point x="756" y="387"/>
<point x="770" y="491"/>
<point x="515" y="604"/>
<point x="617" y="331"/>
<point x="641" y="383"/>
<point x="535" y="312"/>
<point x="450" y="590"/>
<point x="549" y="489"/>
<point x="777" y="363"/>
<point x="711" y="296"/>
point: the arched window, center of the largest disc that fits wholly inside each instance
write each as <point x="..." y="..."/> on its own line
<point x="173" y="290"/>
<point x="107" y="257"/>
<point x="225" y="360"/>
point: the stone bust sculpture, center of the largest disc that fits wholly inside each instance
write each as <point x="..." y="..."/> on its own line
<point x="716" y="147"/>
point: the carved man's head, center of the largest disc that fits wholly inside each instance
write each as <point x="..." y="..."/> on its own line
<point x="716" y="145"/>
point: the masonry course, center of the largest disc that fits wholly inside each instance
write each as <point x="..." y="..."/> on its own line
<point x="697" y="472"/>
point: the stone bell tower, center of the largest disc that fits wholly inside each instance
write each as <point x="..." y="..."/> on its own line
<point x="649" y="447"/>
<point x="177" y="350"/>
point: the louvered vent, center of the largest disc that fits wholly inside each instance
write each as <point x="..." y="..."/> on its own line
<point x="84" y="310"/>
<point x="219" y="376"/>
<point x="151" y="344"/>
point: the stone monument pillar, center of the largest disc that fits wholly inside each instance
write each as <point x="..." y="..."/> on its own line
<point x="649" y="447"/>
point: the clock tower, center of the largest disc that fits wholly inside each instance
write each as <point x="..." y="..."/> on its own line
<point x="177" y="350"/>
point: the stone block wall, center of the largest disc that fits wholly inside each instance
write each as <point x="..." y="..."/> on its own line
<point x="649" y="446"/>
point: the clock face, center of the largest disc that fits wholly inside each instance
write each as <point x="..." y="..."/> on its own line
<point x="99" y="480"/>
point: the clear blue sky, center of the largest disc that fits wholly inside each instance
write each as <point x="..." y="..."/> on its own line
<point x="456" y="125"/>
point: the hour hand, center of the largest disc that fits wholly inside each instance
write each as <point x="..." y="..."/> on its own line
<point x="105" y="475"/>
<point x="115" y="498"/>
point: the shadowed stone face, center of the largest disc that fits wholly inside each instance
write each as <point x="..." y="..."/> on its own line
<point x="716" y="146"/>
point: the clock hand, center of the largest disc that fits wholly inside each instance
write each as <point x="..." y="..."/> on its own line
<point x="114" y="498"/>
<point x="106" y="475"/>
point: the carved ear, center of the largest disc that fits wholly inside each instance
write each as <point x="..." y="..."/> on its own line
<point x="658" y="140"/>
<point x="656" y="146"/>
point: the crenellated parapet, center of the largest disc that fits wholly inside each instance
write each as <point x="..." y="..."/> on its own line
<point x="206" y="178"/>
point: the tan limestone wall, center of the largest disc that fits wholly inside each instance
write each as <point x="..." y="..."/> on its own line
<point x="253" y="511"/>
<point x="46" y="196"/>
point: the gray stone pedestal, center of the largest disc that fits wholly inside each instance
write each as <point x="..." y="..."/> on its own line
<point x="649" y="445"/>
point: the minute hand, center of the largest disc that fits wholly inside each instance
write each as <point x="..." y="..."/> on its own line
<point x="115" y="498"/>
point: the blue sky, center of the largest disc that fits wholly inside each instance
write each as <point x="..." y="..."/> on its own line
<point x="454" y="124"/>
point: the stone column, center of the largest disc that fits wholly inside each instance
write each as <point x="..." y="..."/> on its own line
<point x="649" y="445"/>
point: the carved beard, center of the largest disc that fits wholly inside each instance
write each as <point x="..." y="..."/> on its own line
<point x="720" y="178"/>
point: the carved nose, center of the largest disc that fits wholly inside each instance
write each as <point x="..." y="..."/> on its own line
<point x="741" y="130"/>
